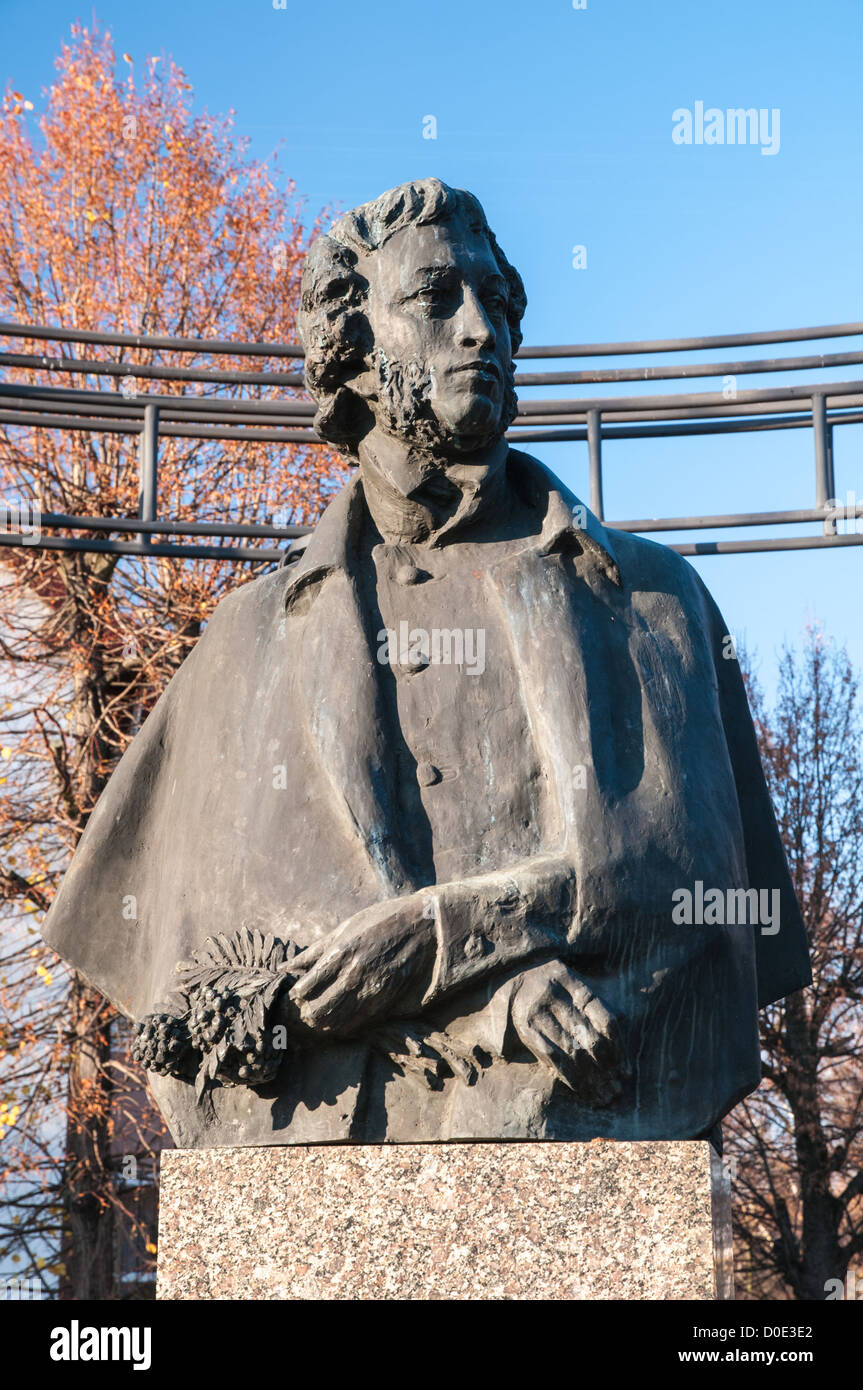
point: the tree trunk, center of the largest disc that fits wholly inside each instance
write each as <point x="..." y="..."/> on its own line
<point x="88" y="1237"/>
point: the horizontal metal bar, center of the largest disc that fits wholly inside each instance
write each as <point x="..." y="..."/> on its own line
<point x="33" y="363"/>
<point x="707" y="523"/>
<point x="241" y="554"/>
<point x="207" y="410"/>
<point x="671" y="429"/>
<point x="157" y="528"/>
<point x="720" y="340"/>
<point x="290" y="415"/>
<point x="738" y="410"/>
<point x="773" y="400"/>
<point x="219" y="346"/>
<point x="166" y="403"/>
<point x="134" y="413"/>
<point x="142" y="550"/>
<point x="670" y="372"/>
<point x="214" y="376"/>
<point x="709" y="398"/>
<point x="222" y="346"/>
<point x="758" y="410"/>
<point x="45" y="405"/>
<point x="752" y="547"/>
<point x="256" y="434"/>
<point x="253" y="435"/>
<point x="237" y="530"/>
<point x="713" y="404"/>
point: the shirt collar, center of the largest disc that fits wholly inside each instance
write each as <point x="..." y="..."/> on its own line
<point x="567" y="524"/>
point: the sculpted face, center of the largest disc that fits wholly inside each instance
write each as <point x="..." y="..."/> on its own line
<point x="437" y="308"/>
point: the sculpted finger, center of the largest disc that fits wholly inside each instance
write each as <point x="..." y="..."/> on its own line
<point x="564" y="1058"/>
<point x="587" y="1063"/>
<point x="331" y="1011"/>
<point x="602" y="1037"/>
<point x="305" y="959"/>
<point x="574" y="1025"/>
<point x="610" y="1055"/>
<point x="600" y="1076"/>
<point x="318" y="977"/>
<point x="605" y="1023"/>
<point x="606" y="1066"/>
<point x="551" y="1044"/>
<point x="576" y="989"/>
<point x="606" y="1044"/>
<point x="587" y="1004"/>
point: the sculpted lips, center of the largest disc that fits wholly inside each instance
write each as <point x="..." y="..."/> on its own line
<point x="489" y="370"/>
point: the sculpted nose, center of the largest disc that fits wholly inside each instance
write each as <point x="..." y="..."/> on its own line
<point x="473" y="326"/>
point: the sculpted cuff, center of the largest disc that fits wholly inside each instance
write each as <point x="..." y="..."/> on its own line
<point x="488" y="923"/>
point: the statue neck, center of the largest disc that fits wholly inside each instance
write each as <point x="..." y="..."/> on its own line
<point x="417" y="499"/>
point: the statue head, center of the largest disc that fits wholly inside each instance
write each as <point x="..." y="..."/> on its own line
<point x="410" y="315"/>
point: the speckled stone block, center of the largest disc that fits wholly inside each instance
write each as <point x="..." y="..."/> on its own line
<point x="603" y="1220"/>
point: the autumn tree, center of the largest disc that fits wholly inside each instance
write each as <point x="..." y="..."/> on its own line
<point x="120" y="210"/>
<point x="796" y="1144"/>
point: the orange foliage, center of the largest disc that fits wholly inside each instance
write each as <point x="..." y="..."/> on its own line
<point x="120" y="210"/>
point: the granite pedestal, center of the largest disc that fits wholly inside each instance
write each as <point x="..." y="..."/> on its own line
<point x="602" y="1220"/>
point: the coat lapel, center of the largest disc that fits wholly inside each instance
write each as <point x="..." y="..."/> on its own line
<point x="340" y="690"/>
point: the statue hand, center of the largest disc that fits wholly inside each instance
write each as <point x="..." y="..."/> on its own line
<point x="569" y="1031"/>
<point x="378" y="961"/>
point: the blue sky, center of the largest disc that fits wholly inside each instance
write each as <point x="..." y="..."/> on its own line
<point x="560" y="121"/>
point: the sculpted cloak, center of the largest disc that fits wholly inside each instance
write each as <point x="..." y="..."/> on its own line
<point x="261" y="792"/>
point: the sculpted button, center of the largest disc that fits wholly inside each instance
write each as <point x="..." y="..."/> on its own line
<point x="407" y="574"/>
<point x="427" y="774"/>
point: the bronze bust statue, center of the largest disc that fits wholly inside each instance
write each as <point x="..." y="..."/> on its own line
<point x="409" y="837"/>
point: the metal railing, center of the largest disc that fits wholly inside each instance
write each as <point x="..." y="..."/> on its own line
<point x="594" y="420"/>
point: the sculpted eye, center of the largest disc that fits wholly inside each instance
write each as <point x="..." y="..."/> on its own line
<point x="495" y="302"/>
<point x="433" y="298"/>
